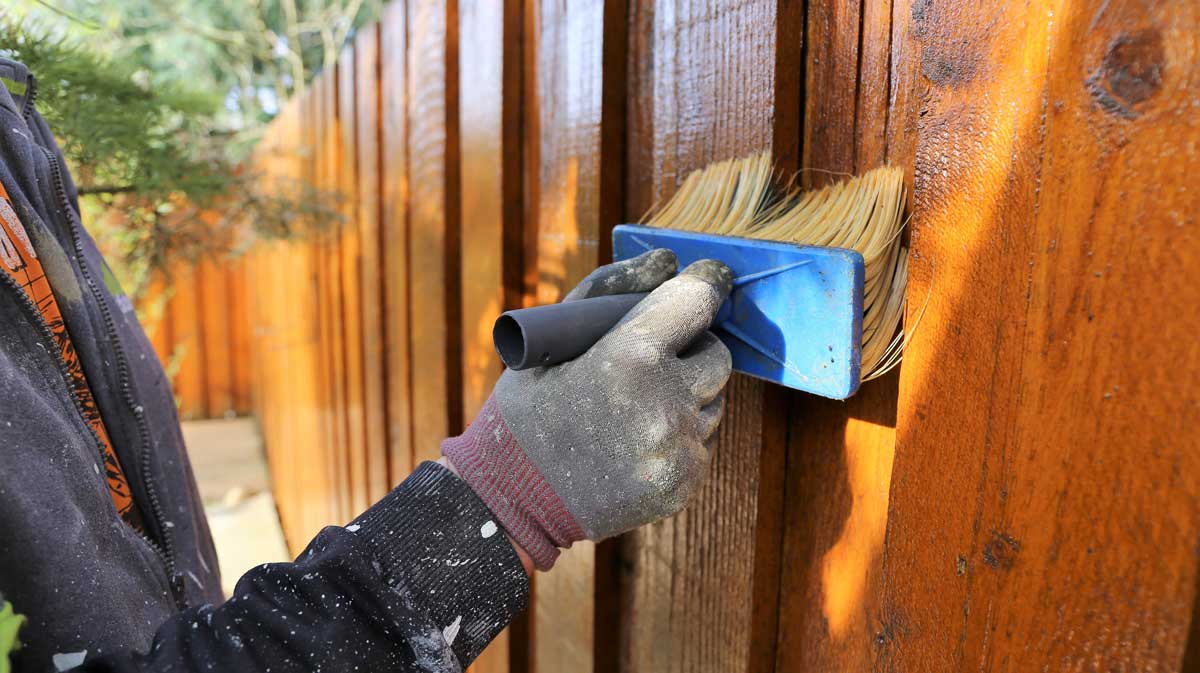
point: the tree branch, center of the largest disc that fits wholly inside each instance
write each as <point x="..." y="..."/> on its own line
<point x="87" y="190"/>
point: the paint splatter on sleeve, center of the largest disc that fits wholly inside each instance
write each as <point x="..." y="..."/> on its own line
<point x="410" y="585"/>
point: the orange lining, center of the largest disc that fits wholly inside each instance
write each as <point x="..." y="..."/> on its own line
<point x="19" y="260"/>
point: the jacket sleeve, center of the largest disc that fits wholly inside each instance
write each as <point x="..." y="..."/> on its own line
<point x="421" y="581"/>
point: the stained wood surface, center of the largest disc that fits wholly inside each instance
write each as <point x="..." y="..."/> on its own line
<point x="187" y="333"/>
<point x="702" y="588"/>
<point x="367" y="196"/>
<point x="212" y="288"/>
<point x="488" y="49"/>
<point x="350" y="244"/>
<point x="840" y="454"/>
<point x="393" y="143"/>
<point x="433" y="233"/>
<point x="566" y="79"/>
<point x="1044" y="510"/>
<point x="484" y="141"/>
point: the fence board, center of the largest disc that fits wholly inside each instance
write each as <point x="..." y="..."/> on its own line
<point x="702" y="588"/>
<point x="212" y="286"/>
<point x="351" y="244"/>
<point x="242" y="361"/>
<point x="484" y="139"/>
<point x="489" y="53"/>
<point x="567" y="195"/>
<point x="840" y="454"/>
<point x="393" y="45"/>
<point x="1041" y="514"/>
<point x="367" y="194"/>
<point x="433" y="230"/>
<point x="188" y="341"/>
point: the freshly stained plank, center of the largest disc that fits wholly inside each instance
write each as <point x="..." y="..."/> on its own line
<point x="567" y="158"/>
<point x="484" y="142"/>
<point x="831" y="89"/>
<point x="331" y="179"/>
<point x="491" y="203"/>
<point x="1044" y="512"/>
<point x="188" y="352"/>
<point x="393" y="45"/>
<point x="242" y="362"/>
<point x="702" y="588"/>
<point x="840" y="454"/>
<point x="367" y="194"/>
<point x="433" y="228"/>
<point x="314" y="502"/>
<point x="351" y="244"/>
<point x="214" y="323"/>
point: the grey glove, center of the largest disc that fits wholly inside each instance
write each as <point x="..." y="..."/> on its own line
<point x="616" y="438"/>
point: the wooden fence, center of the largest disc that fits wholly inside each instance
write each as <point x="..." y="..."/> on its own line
<point x="1021" y="495"/>
<point x="197" y="318"/>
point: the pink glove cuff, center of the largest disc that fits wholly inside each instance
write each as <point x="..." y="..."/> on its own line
<point x="492" y="463"/>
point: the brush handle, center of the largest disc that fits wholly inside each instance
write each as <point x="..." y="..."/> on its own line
<point x="547" y="335"/>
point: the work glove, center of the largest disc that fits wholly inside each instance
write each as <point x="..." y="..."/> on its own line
<point x="618" y="437"/>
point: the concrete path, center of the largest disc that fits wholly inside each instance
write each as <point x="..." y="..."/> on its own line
<point x="231" y="470"/>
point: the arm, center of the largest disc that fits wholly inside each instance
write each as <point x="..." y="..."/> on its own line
<point x="424" y="579"/>
<point x="415" y="583"/>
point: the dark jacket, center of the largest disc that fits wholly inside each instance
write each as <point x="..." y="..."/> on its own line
<point x="412" y="584"/>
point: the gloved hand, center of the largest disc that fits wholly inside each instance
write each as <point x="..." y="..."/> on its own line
<point x="617" y="437"/>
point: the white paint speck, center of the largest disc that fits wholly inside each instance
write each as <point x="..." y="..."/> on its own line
<point x="67" y="660"/>
<point x="451" y="632"/>
<point x="354" y="528"/>
<point x="488" y="529"/>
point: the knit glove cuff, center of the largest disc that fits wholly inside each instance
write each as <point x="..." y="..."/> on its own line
<point x="489" y="459"/>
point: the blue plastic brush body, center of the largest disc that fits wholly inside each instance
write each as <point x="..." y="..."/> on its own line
<point x="794" y="316"/>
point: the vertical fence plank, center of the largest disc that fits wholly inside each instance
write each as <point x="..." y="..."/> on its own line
<point x="840" y="454"/>
<point x="368" y="195"/>
<point x="1042" y="515"/>
<point x="491" y="204"/>
<point x="393" y="46"/>
<point x="212" y="281"/>
<point x="481" y="65"/>
<point x="351" y="283"/>
<point x="433" y="229"/>
<point x="702" y="588"/>
<point x="336" y="293"/>
<point x="241" y="361"/>
<point x="567" y="160"/>
<point x="188" y="338"/>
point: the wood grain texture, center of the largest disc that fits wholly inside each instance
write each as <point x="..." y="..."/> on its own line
<point x="351" y="244"/>
<point x="840" y="454"/>
<point x="484" y="140"/>
<point x="335" y="293"/>
<point x="394" y="226"/>
<point x="488" y="213"/>
<point x="1044" y="513"/>
<point x="833" y="40"/>
<point x="433" y="231"/>
<point x="702" y="587"/>
<point x="368" y="190"/>
<point x="566" y="154"/>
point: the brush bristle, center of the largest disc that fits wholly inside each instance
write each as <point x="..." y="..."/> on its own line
<point x="865" y="213"/>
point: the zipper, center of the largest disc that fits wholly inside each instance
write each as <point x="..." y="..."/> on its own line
<point x="165" y="551"/>
<point x="65" y="371"/>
